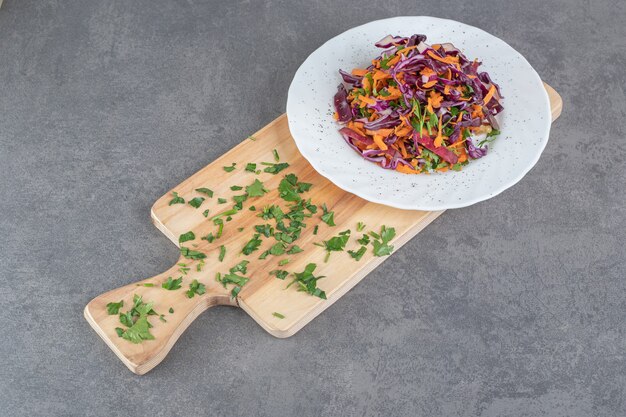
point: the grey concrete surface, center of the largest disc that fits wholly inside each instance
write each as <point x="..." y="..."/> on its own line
<point x="512" y="307"/>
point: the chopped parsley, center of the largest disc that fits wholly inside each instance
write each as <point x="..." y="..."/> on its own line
<point x="233" y="278"/>
<point x="185" y="237"/>
<point x="230" y="168"/>
<point x="209" y="238"/>
<point x="221" y="200"/>
<point x="172" y="284"/>
<point x="335" y="244"/>
<point x="114" y="308"/>
<point x="278" y="315"/>
<point x="222" y="253"/>
<point x="195" y="288"/>
<point x="136" y="322"/>
<point x="236" y="188"/>
<point x="315" y="229"/>
<point x="171" y="310"/>
<point x="192" y="254"/>
<point x="328" y="216"/>
<point x="146" y="284"/>
<point x="276" y="156"/>
<point x="206" y="213"/>
<point x="206" y="191"/>
<point x="360" y="226"/>
<point x="381" y="241"/>
<point x="358" y="254"/>
<point x="177" y="199"/>
<point x="251" y="167"/>
<point x="275" y="168"/>
<point x="283" y="262"/>
<point x="265" y="229"/>
<point x="279" y="273"/>
<point x="196" y="202"/>
<point x="256" y="189"/>
<point x="252" y="245"/>
<point x="307" y="282"/>
<point x="289" y="188"/>
<point x="294" y="249"/>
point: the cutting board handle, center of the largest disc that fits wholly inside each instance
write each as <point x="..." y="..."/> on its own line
<point x="166" y="327"/>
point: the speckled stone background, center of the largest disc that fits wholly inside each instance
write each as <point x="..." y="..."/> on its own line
<point x="512" y="307"/>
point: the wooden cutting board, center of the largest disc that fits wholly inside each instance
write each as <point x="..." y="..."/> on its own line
<point x="263" y="295"/>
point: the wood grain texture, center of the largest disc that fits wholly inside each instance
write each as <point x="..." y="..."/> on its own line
<point x="264" y="294"/>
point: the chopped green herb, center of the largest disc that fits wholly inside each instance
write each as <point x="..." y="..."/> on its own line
<point x="233" y="278"/>
<point x="360" y="226"/>
<point x="220" y="227"/>
<point x="162" y="318"/>
<point x="222" y="253"/>
<point x="294" y="249"/>
<point x="251" y="167"/>
<point x="358" y="254"/>
<point x="256" y="189"/>
<point x="308" y="282"/>
<point x="279" y="273"/>
<point x="185" y="237"/>
<point x="315" y="229"/>
<point x="381" y="246"/>
<point x="196" y="202"/>
<point x="206" y="191"/>
<point x="195" y="288"/>
<point x="171" y="310"/>
<point x="278" y="315"/>
<point x="335" y="244"/>
<point x="252" y="208"/>
<point x="209" y="238"/>
<point x="252" y="245"/>
<point x="200" y="265"/>
<point x="146" y="284"/>
<point x="191" y="254"/>
<point x="114" y="308"/>
<point x="283" y="262"/>
<point x="364" y="240"/>
<point x="238" y="199"/>
<point x="328" y="216"/>
<point x="236" y="188"/>
<point x="230" y="168"/>
<point x="176" y="199"/>
<point x="264" y="229"/>
<point x="252" y="138"/>
<point x="136" y="319"/>
<point x="275" y="168"/>
<point x="172" y="284"/>
<point x="277" y="249"/>
<point x="206" y="213"/>
<point x="221" y="200"/>
<point x="289" y="188"/>
<point x="276" y="156"/>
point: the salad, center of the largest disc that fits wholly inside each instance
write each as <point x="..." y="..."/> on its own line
<point x="418" y="108"/>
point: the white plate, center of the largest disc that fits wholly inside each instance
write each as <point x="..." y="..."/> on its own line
<point x="525" y="121"/>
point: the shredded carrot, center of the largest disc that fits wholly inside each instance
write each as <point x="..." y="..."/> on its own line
<point x="336" y="116"/>
<point x="382" y="132"/>
<point x="393" y="61"/>
<point x="489" y="94"/>
<point x="430" y="84"/>
<point x="436" y="99"/>
<point x="367" y="100"/>
<point x="446" y="60"/>
<point x="359" y="72"/>
<point x="427" y="72"/>
<point x="402" y="148"/>
<point x="378" y="140"/>
<point x="405" y="169"/>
